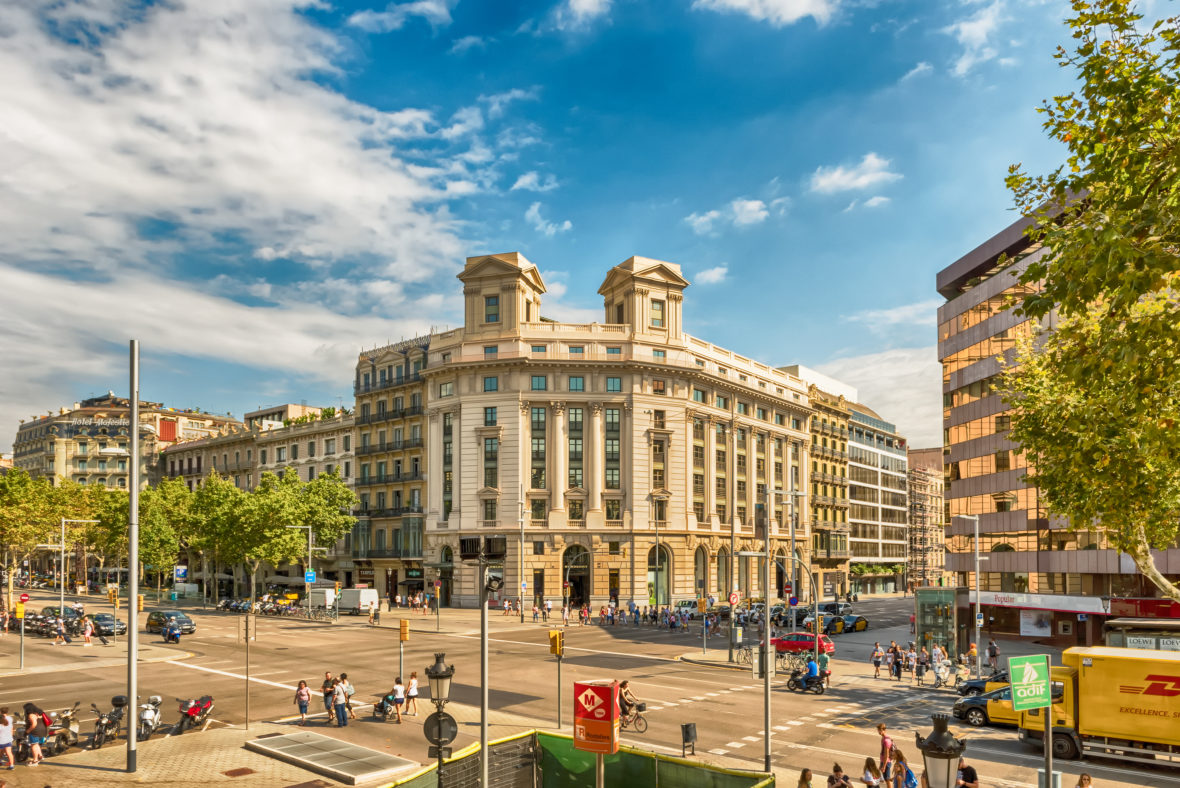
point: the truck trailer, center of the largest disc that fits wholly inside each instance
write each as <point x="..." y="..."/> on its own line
<point x="1112" y="703"/>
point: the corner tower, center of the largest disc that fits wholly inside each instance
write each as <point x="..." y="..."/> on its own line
<point x="500" y="292"/>
<point x="647" y="295"/>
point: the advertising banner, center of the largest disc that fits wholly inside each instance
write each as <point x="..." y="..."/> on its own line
<point x="596" y="716"/>
<point x="1036" y="623"/>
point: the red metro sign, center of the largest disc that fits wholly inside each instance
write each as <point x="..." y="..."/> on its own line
<point x="596" y="716"/>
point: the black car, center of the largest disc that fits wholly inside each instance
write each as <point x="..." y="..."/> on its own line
<point x="972" y="687"/>
<point x="155" y="621"/>
<point x="106" y="624"/>
<point x="55" y="612"/>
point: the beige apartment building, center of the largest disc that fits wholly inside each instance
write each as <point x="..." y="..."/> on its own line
<point x="391" y="467"/>
<point x="89" y="442"/>
<point x="829" y="490"/>
<point x="624" y="459"/>
<point x="927" y="553"/>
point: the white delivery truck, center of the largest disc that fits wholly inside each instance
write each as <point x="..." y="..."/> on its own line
<point x="358" y="600"/>
<point x="323" y="597"/>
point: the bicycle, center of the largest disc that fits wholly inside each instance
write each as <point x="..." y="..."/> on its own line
<point x="745" y="655"/>
<point x="635" y="719"/>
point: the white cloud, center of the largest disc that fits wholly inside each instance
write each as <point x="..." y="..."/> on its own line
<point x="395" y="16"/>
<point x="555" y="306"/>
<point x="974" y="34"/>
<point x="746" y="212"/>
<point x="874" y="202"/>
<point x="532" y="182"/>
<point x="498" y="102"/>
<point x="578" y="14"/>
<point x="464" y="122"/>
<point x="903" y="385"/>
<point x="778" y="13"/>
<point x="872" y="171"/>
<point x="712" y="276"/>
<point x="916" y="71"/>
<point x="882" y="321"/>
<point x="742" y="212"/>
<point x="461" y="45"/>
<point x="546" y="228"/>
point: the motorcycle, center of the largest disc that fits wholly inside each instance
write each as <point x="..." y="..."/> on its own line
<point x="149" y="717"/>
<point x="193" y="712"/>
<point x="942" y="673"/>
<point x="800" y="681"/>
<point x="64" y="731"/>
<point x="107" y="724"/>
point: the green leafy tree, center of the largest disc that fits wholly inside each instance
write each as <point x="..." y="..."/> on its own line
<point x="1096" y="401"/>
<point x="217" y="509"/>
<point x="30" y="510"/>
<point x="163" y="515"/>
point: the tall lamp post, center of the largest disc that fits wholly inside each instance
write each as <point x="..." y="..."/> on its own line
<point x="941" y="752"/>
<point x="133" y="556"/>
<point x="439" y="677"/>
<point x="307" y="567"/>
<point x="978" y="617"/>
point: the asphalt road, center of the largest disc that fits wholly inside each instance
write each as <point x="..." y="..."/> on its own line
<point x="726" y="705"/>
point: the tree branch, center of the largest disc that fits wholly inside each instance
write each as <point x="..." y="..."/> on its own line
<point x="1140" y="552"/>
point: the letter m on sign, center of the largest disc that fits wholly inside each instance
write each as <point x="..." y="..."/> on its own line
<point x="1166" y="686"/>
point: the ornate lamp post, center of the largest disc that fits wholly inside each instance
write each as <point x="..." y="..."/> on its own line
<point x="941" y="752"/>
<point x="440" y="728"/>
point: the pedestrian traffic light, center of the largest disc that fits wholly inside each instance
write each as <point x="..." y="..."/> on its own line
<point x="139" y="603"/>
<point x="405" y="630"/>
<point x="556" y="644"/>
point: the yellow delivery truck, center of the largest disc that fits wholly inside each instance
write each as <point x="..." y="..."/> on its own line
<point x="1114" y="703"/>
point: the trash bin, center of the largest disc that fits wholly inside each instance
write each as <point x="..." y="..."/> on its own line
<point x="172" y="596"/>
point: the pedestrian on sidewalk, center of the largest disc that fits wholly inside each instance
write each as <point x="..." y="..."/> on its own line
<point x="412" y="694"/>
<point x="36" y="730"/>
<point x="886" y="746"/>
<point x="302" y="699"/>
<point x="371" y="606"/>
<point x="804" y="779"/>
<point x="901" y="775"/>
<point x="565" y="615"/>
<point x="340" y="703"/>
<point x="967" y="776"/>
<point x="3" y="623"/>
<point x="349" y="691"/>
<point x="399" y="698"/>
<point x="536" y="613"/>
<point x="326" y="688"/>
<point x="872" y="774"/>
<point x="993" y="655"/>
<point x="1084" y="780"/>
<point x="397" y="601"/>
<point x="923" y="663"/>
<point x="6" y="725"/>
<point x="548" y="609"/>
<point x="62" y="637"/>
<point x="877" y="656"/>
<point x="912" y="623"/>
<point x="87" y="631"/>
<point x="838" y="779"/>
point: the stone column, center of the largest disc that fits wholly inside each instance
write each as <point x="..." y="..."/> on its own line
<point x="559" y="464"/>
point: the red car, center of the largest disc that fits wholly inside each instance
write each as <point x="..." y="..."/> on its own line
<point x="803" y="643"/>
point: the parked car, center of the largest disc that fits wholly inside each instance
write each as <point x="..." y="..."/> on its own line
<point x="107" y="624"/>
<point x="781" y="615"/>
<point x="802" y="643"/>
<point x="990" y="708"/>
<point x="54" y="611"/>
<point x="721" y="611"/>
<point x="686" y="606"/>
<point x="836" y="608"/>
<point x="157" y="619"/>
<point x="855" y="623"/>
<point x="986" y="684"/>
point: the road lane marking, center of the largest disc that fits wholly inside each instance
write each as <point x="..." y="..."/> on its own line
<point x="751" y="738"/>
<point x="736" y="745"/>
<point x="718" y="752"/>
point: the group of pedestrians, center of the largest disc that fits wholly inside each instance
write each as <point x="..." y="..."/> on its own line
<point x="337" y="694"/>
<point x="898" y="660"/>
<point x="418" y="602"/>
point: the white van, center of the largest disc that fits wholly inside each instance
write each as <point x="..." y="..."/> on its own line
<point x="323" y="597"/>
<point x="358" y="600"/>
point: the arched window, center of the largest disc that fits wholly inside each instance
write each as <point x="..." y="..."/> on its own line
<point x="1003" y="547"/>
<point x="723" y="578"/>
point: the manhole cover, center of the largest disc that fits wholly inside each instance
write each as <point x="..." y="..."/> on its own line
<point x="242" y="772"/>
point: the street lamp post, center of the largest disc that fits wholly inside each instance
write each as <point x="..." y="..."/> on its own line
<point x="941" y="752"/>
<point x="133" y="558"/>
<point x="978" y="618"/>
<point x="439" y="677"/>
<point x="61" y="568"/>
<point x="520" y="558"/>
<point x="307" y="568"/>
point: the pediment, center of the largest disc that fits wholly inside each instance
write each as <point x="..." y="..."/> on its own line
<point x="654" y="273"/>
<point x="493" y="266"/>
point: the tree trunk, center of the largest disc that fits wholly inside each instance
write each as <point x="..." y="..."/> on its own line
<point x="1141" y="554"/>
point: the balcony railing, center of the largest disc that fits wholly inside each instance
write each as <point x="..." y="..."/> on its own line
<point x="539" y="523"/>
<point x="387" y="478"/>
<point x="381" y="385"/>
<point x="614" y="523"/>
<point x="577" y="523"/>
<point x="389" y="415"/>
<point x="377" y="448"/>
<point x="488" y="523"/>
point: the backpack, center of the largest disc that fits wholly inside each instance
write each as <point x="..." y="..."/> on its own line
<point x="910" y="780"/>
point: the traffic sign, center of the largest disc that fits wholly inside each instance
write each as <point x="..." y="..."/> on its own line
<point x="524" y="586"/>
<point x="24" y="597"/>
<point x="794" y="601"/>
<point x="438" y="584"/>
<point x="733" y="597"/>
<point x="1030" y="682"/>
<point x="309" y="577"/>
<point x="596" y="716"/>
<point x="979" y="619"/>
<point x="440" y="728"/>
<point x="787" y="589"/>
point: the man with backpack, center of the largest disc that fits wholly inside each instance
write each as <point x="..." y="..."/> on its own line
<point x="993" y="655"/>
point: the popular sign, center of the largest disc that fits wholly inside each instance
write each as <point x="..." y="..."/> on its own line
<point x="1030" y="682"/>
<point x="596" y="716"/>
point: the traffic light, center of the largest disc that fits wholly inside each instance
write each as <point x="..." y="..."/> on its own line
<point x="556" y="644"/>
<point x="20" y="610"/>
<point x="139" y="603"/>
<point x="112" y="595"/>
<point x="405" y="630"/>
<point x="337" y="586"/>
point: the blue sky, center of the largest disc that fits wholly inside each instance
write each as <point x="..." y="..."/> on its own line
<point x="259" y="190"/>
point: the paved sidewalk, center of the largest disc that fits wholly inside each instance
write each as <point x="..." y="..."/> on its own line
<point x="41" y="656"/>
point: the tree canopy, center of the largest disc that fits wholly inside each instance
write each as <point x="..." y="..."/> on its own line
<point x="1097" y="399"/>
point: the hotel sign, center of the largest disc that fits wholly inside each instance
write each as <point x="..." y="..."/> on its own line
<point x="86" y="420"/>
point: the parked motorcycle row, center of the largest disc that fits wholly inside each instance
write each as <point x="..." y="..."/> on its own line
<point x="64" y="733"/>
<point x="269" y="608"/>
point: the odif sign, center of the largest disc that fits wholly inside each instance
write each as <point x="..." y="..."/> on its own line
<point x="1030" y="682"/>
<point x="596" y="716"/>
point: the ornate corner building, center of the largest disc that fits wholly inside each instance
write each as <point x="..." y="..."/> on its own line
<point x="623" y="459"/>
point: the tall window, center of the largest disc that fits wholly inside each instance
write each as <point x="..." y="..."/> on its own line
<point x="489" y="511"/>
<point x="448" y="458"/>
<point x="613" y="436"/>
<point x="575" y="447"/>
<point x="489" y="417"/>
<point x="537" y="460"/>
<point x="657" y="314"/>
<point x="491" y="459"/>
<point x="491" y="311"/>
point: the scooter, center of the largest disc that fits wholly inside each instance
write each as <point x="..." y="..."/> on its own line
<point x="64" y="731"/>
<point x="193" y="712"/>
<point x="107" y="724"/>
<point x="942" y="673"/>
<point x="149" y="717"/>
<point x="800" y="681"/>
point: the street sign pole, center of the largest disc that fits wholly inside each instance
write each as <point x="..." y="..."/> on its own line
<point x="1032" y="688"/>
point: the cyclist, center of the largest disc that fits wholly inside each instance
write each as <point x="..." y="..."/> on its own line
<point x="627" y="699"/>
